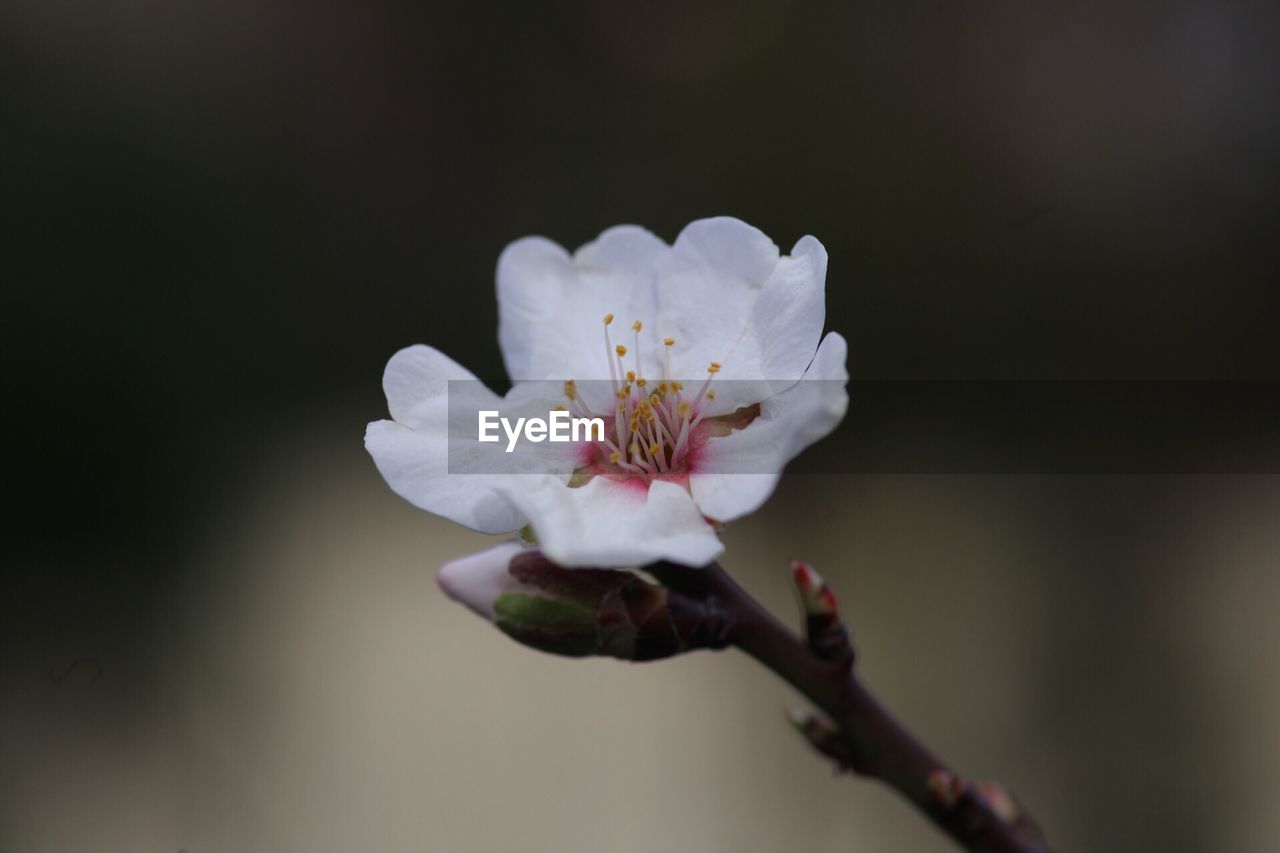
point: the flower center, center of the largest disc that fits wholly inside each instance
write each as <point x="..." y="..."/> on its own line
<point x="654" y="427"/>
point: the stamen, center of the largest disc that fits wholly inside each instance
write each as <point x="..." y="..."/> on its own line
<point x="620" y="351"/>
<point x="711" y="395"/>
<point x="705" y="385"/>
<point x="636" y="327"/>
<point x="652" y="428"/>
<point x="662" y="459"/>
<point x="615" y="458"/>
<point x="663" y="434"/>
<point x="684" y="434"/>
<point x="608" y="346"/>
<point x="640" y="460"/>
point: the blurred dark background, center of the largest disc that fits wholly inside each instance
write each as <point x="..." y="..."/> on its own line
<point x="219" y="220"/>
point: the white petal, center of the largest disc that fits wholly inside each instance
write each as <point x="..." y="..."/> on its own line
<point x="790" y="312"/>
<point x="609" y="524"/>
<point x="722" y="292"/>
<point x="478" y="579"/>
<point x="412" y="452"/>
<point x="551" y="305"/>
<point x="415" y="465"/>
<point x="416" y="383"/>
<point x="737" y="473"/>
<point x="730" y="298"/>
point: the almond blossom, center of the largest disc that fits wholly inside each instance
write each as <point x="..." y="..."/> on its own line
<point x="704" y="357"/>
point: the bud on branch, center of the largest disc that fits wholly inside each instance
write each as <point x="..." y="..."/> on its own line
<point x="824" y="630"/>
<point x="823" y="736"/>
<point x="583" y="612"/>
<point x="580" y="612"/>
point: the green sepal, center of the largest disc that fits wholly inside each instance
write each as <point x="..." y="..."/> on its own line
<point x="559" y="627"/>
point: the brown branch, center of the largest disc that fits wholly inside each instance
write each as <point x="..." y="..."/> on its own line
<point x="582" y="612"/>
<point x="981" y="818"/>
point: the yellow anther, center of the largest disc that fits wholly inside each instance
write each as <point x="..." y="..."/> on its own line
<point x="615" y="457"/>
<point x="570" y="389"/>
<point x="683" y="409"/>
<point x="662" y="387"/>
<point x="637" y="326"/>
<point x="631" y="376"/>
<point x="668" y="342"/>
<point x="711" y="395"/>
<point x="641" y="382"/>
<point x="608" y="318"/>
<point x="620" y="350"/>
<point x="559" y="409"/>
<point x="714" y="367"/>
<point x="677" y="386"/>
<point x="654" y="448"/>
<point x="654" y="399"/>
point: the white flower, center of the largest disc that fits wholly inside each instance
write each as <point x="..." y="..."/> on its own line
<point x="721" y="304"/>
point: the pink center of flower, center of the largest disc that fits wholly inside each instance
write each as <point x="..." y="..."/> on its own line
<point x="655" y="430"/>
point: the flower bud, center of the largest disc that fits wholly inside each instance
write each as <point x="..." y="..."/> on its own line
<point x="578" y="612"/>
<point x="1000" y="801"/>
<point x="824" y="737"/>
<point x="824" y="630"/>
<point x="477" y="580"/>
<point x="816" y="598"/>
<point x="946" y="788"/>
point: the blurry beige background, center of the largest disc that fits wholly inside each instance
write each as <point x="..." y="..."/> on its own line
<point x="318" y="693"/>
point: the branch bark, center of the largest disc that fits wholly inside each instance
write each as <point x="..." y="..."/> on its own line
<point x="878" y="746"/>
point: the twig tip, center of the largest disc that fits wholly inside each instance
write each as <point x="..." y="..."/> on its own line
<point x="816" y="597"/>
<point x="945" y="787"/>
